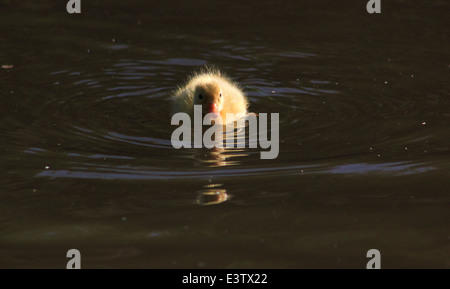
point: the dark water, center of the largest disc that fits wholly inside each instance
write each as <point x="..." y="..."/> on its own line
<point x="86" y="160"/>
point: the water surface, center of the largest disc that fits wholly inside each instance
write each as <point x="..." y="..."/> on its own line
<point x="87" y="161"/>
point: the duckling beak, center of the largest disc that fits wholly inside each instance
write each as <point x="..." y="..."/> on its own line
<point x="212" y="107"/>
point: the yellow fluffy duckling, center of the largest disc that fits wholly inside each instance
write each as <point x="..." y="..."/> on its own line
<point x="215" y="92"/>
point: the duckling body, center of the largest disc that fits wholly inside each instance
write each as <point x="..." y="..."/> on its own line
<point x="215" y="92"/>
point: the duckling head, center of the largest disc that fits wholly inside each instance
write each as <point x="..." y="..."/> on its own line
<point x="210" y="96"/>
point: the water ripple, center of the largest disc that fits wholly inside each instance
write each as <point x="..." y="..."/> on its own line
<point x="386" y="169"/>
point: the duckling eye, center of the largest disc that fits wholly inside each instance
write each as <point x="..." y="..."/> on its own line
<point x="220" y="94"/>
<point x="200" y="96"/>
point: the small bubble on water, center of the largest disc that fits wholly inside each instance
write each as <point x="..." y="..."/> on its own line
<point x="201" y="264"/>
<point x="155" y="234"/>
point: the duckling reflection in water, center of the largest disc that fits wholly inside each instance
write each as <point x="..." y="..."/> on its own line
<point x="218" y="157"/>
<point x="212" y="195"/>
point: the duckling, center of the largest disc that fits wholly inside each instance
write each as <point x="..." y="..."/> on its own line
<point x="215" y="92"/>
